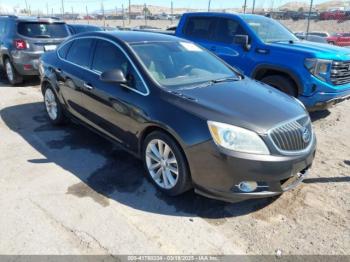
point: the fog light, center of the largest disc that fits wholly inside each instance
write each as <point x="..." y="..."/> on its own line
<point x="248" y="186"/>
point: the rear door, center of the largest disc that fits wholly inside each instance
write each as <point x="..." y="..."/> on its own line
<point x="225" y="48"/>
<point x="347" y="39"/>
<point x="200" y="29"/>
<point x="73" y="72"/>
<point x="113" y="108"/>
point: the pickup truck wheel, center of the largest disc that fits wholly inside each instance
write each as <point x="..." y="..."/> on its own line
<point x="53" y="107"/>
<point x="281" y="83"/>
<point x="165" y="164"/>
<point x="11" y="73"/>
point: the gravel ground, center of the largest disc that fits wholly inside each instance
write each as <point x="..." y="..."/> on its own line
<point x="67" y="191"/>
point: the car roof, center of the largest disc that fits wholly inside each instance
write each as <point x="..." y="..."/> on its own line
<point x="33" y="18"/>
<point x="133" y="36"/>
<point x="84" y="25"/>
<point x="223" y="14"/>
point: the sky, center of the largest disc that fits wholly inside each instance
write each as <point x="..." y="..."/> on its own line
<point x="94" y="5"/>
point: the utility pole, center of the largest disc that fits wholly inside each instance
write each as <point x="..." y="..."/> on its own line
<point x="103" y="13"/>
<point x="123" y="15"/>
<point x="129" y="12"/>
<point x="253" y="9"/>
<point x="72" y="13"/>
<point x="87" y="14"/>
<point x="172" y="11"/>
<point x="52" y="12"/>
<point x="145" y="12"/>
<point x="245" y="6"/>
<point x="62" y="8"/>
<point x="27" y="9"/>
<point x="308" y="19"/>
<point x="47" y="9"/>
<point x="209" y="3"/>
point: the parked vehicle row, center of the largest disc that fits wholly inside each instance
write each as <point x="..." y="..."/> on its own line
<point x="195" y="120"/>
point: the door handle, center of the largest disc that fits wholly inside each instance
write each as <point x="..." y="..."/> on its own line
<point x="58" y="70"/>
<point x="88" y="87"/>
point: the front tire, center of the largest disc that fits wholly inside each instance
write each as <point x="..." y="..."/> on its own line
<point x="281" y="83"/>
<point x="53" y="107"/>
<point x="166" y="164"/>
<point x="11" y="73"/>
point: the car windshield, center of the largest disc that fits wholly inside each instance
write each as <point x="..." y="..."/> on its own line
<point x="269" y="30"/>
<point x="178" y="64"/>
<point x="42" y="30"/>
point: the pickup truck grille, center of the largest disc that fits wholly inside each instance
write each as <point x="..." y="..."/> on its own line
<point x="294" y="136"/>
<point x="340" y="73"/>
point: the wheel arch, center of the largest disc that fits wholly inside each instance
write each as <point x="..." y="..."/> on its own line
<point x="264" y="70"/>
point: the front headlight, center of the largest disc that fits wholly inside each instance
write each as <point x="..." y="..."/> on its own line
<point x="237" y="139"/>
<point x="320" y="68"/>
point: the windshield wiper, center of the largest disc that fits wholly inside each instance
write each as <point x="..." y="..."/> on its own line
<point x="226" y="79"/>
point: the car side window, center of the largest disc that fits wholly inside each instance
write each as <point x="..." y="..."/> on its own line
<point x="226" y="29"/>
<point x="200" y="27"/>
<point x="79" y="52"/>
<point x="62" y="51"/>
<point x="115" y="59"/>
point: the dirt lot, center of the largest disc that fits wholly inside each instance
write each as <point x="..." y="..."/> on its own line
<point x="67" y="191"/>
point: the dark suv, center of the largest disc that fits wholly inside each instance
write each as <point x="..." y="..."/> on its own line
<point x="24" y="39"/>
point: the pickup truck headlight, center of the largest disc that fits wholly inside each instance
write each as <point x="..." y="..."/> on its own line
<point x="320" y="68"/>
<point x="237" y="139"/>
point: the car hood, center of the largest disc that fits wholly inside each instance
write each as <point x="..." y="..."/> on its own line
<point x="318" y="50"/>
<point x="246" y="103"/>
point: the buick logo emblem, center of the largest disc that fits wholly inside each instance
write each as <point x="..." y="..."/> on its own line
<point x="306" y="135"/>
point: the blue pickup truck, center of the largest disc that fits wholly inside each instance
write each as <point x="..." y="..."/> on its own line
<point x="317" y="74"/>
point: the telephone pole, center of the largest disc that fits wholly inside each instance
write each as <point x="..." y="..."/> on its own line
<point x="308" y="19"/>
<point x="62" y="8"/>
<point x="245" y="6"/>
<point x="253" y="9"/>
<point x="47" y="9"/>
<point x="172" y="11"/>
<point x="209" y="3"/>
<point x="123" y="15"/>
<point x="87" y="14"/>
<point x="129" y="12"/>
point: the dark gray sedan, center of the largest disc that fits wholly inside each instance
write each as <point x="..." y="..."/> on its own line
<point x="193" y="120"/>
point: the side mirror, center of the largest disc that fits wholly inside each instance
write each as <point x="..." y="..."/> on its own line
<point x="242" y="40"/>
<point x="114" y="76"/>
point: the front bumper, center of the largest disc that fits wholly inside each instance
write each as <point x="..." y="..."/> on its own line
<point x="217" y="172"/>
<point x="327" y="100"/>
<point x="325" y="95"/>
<point x="26" y="62"/>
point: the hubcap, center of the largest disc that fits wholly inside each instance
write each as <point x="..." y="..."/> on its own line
<point x="9" y="71"/>
<point x="162" y="164"/>
<point x="50" y="103"/>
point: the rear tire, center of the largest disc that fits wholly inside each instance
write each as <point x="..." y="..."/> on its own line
<point x="281" y="83"/>
<point x="166" y="164"/>
<point x="53" y="107"/>
<point x="11" y="73"/>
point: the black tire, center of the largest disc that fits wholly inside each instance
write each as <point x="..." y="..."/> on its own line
<point x="183" y="183"/>
<point x="16" y="78"/>
<point x="281" y="83"/>
<point x="60" y="118"/>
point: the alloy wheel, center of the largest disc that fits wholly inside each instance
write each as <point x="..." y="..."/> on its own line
<point x="51" y="104"/>
<point x="9" y="71"/>
<point x="162" y="164"/>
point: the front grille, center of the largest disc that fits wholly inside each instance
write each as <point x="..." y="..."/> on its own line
<point x="293" y="136"/>
<point x="340" y="73"/>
